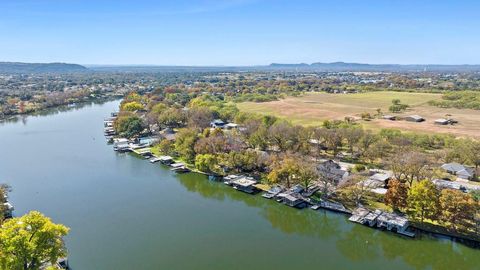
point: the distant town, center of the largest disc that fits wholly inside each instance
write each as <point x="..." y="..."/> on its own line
<point x="395" y="150"/>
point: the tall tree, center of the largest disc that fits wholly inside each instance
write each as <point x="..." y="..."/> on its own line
<point x="457" y="208"/>
<point x="286" y="170"/>
<point x="352" y="135"/>
<point x="396" y="195"/>
<point x="422" y="200"/>
<point x="31" y="241"/>
<point x="185" y="143"/>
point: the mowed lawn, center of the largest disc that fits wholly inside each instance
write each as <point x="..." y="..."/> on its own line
<point x="314" y="108"/>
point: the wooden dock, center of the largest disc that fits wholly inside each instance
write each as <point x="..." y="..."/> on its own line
<point x="380" y="219"/>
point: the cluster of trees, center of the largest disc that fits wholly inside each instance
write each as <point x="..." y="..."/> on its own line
<point x="277" y="151"/>
<point x="267" y="133"/>
<point x="459" y="99"/>
<point x="31" y="242"/>
<point x="422" y="200"/>
<point x="397" y="106"/>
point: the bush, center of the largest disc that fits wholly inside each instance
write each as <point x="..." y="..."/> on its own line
<point x="359" y="168"/>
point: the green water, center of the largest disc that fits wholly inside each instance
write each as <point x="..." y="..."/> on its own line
<point x="125" y="213"/>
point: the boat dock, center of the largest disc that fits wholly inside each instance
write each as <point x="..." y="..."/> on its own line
<point x="179" y="168"/>
<point x="333" y="206"/>
<point x="144" y="152"/>
<point x="380" y="219"/>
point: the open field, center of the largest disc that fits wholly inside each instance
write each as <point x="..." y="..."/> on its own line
<point x="313" y="108"/>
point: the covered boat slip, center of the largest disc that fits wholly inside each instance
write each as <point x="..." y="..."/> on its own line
<point x="245" y="184"/>
<point x="380" y="219"/>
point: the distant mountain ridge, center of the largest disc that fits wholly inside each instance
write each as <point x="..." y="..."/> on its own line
<point x="18" y="67"/>
<point x="343" y="66"/>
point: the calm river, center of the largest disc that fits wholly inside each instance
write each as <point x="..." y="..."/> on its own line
<point x="125" y="213"/>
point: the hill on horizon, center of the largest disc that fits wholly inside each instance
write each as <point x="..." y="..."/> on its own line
<point x="18" y="67"/>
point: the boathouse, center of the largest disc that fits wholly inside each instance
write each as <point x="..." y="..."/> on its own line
<point x="245" y="184"/>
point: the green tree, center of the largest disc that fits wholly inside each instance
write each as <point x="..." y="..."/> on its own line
<point x="185" y="143"/>
<point x="287" y="170"/>
<point x="129" y="125"/>
<point x="422" y="200"/>
<point x="132" y="106"/>
<point x="172" y="117"/>
<point x="307" y="174"/>
<point x="166" y="147"/>
<point x="207" y="163"/>
<point x="31" y="241"/>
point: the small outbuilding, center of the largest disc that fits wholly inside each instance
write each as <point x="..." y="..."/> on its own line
<point x="442" y="121"/>
<point x="414" y="118"/>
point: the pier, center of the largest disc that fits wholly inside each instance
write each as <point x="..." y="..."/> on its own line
<point x="380" y="219"/>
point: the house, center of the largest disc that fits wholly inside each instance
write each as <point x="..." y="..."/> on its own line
<point x="445" y="184"/>
<point x="332" y="170"/>
<point x="414" y="118"/>
<point x="459" y="170"/>
<point x="217" y="123"/>
<point x="462" y="186"/>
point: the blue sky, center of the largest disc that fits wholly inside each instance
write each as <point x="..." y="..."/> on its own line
<point x="240" y="32"/>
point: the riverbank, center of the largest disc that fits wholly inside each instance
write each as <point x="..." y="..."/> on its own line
<point x="390" y="222"/>
<point x="61" y="107"/>
<point x="126" y="213"/>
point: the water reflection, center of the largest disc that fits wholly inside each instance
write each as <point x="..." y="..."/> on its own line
<point x="357" y="243"/>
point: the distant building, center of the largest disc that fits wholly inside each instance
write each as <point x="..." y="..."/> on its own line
<point x="414" y="118"/>
<point x="443" y="121"/>
<point x="459" y="170"/>
<point x="231" y="126"/>
<point x="332" y="170"/>
<point x="217" y="123"/>
<point x="462" y="186"/>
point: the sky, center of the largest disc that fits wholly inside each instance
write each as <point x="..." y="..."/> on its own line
<point x="240" y="32"/>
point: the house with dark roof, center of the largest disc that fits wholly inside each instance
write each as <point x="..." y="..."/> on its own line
<point x="332" y="170"/>
<point x="217" y="123"/>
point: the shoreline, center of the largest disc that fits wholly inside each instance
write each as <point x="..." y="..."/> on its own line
<point x="422" y="230"/>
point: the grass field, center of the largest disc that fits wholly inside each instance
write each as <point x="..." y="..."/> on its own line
<point x="313" y="108"/>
